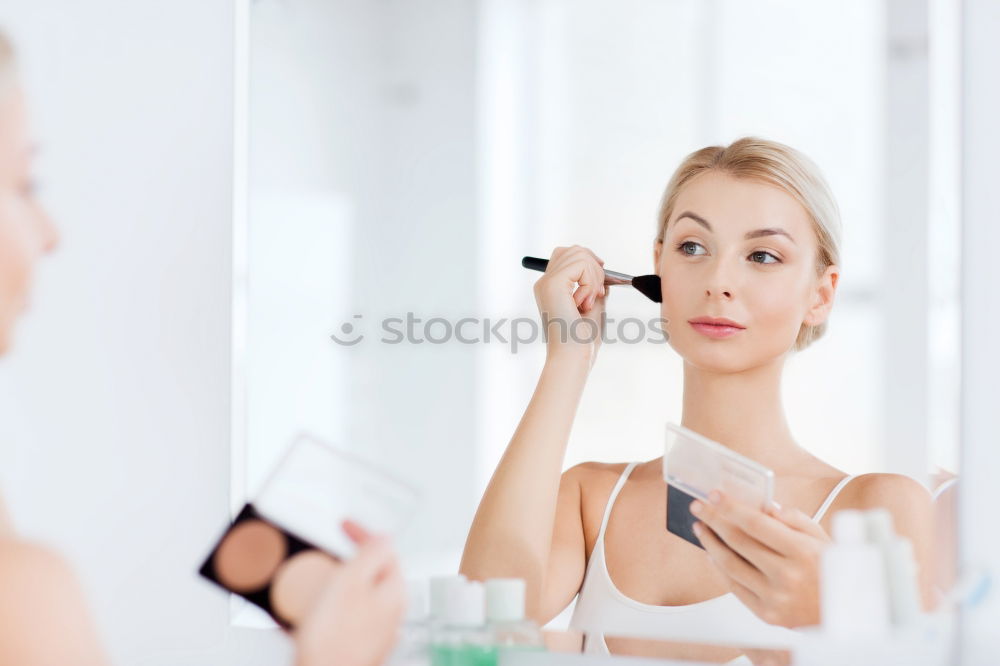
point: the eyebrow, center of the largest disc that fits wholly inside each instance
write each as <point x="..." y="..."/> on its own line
<point x="756" y="233"/>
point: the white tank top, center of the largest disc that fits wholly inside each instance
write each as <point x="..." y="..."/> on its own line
<point x="720" y="619"/>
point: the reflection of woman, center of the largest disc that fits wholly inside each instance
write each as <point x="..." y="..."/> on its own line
<point x="747" y="249"/>
<point x="43" y="616"/>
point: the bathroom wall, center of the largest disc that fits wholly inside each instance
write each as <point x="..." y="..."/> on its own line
<point x="115" y="408"/>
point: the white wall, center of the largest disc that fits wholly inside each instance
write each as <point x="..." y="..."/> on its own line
<point x="370" y="107"/>
<point x="978" y="490"/>
<point x="114" y="420"/>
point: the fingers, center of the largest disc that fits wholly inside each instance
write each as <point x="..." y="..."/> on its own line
<point x="798" y="520"/>
<point x="749" y="598"/>
<point x="391" y="587"/>
<point x="560" y="253"/>
<point x="579" y="265"/>
<point x="730" y="562"/>
<point x="374" y="560"/>
<point x="356" y="532"/>
<point x="745" y="530"/>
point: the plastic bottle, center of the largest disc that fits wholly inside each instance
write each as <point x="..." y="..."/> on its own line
<point x="900" y="568"/>
<point x="413" y="646"/>
<point x="438" y="595"/>
<point x="459" y="636"/>
<point x="853" y="590"/>
<point x="509" y="629"/>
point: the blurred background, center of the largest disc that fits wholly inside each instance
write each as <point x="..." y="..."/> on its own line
<point x="237" y="181"/>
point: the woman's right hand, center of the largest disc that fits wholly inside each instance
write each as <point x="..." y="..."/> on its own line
<point x="571" y="297"/>
<point x="355" y="621"/>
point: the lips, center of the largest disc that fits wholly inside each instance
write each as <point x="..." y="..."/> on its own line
<point x="716" y="327"/>
<point x="716" y="321"/>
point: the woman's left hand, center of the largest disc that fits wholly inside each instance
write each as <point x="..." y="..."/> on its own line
<point x="771" y="559"/>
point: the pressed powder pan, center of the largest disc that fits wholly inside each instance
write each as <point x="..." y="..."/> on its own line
<point x="294" y="589"/>
<point x="648" y="285"/>
<point x="249" y="555"/>
<point x="270" y="567"/>
<point x="287" y="543"/>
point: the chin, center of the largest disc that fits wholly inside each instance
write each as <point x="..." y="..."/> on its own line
<point x="722" y="356"/>
<point x="723" y="364"/>
<point x="6" y="336"/>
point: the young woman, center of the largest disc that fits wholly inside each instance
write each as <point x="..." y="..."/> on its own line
<point x="747" y="250"/>
<point x="43" y="614"/>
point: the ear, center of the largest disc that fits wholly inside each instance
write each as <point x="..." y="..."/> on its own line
<point x="657" y="251"/>
<point x="826" y="289"/>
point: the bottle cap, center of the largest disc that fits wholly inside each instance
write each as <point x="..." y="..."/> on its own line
<point x="439" y="586"/>
<point x="505" y="599"/>
<point x="417" y="602"/>
<point x="849" y="526"/>
<point x="464" y="605"/>
<point x="880" y="529"/>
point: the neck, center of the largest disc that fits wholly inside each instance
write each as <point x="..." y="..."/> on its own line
<point x="741" y="410"/>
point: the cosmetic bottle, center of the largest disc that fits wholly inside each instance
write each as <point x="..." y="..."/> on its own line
<point x="438" y="595"/>
<point x="505" y="620"/>
<point x="900" y="569"/>
<point x="413" y="645"/>
<point x="853" y="590"/>
<point x="459" y="636"/>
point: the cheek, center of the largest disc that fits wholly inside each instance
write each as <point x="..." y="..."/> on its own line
<point x="673" y="298"/>
<point x="777" y="310"/>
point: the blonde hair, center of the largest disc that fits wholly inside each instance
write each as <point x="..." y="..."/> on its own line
<point x="770" y="162"/>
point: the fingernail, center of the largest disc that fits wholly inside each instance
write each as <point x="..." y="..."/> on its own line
<point x="714" y="497"/>
<point x="696" y="507"/>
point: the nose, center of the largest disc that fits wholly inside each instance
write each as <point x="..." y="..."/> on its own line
<point x="48" y="233"/>
<point x="719" y="282"/>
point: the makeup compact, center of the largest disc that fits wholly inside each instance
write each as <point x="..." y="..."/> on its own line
<point x="694" y="466"/>
<point x="287" y="543"/>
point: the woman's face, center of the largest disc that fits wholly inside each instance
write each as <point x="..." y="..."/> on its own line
<point x="745" y="251"/>
<point x="25" y="230"/>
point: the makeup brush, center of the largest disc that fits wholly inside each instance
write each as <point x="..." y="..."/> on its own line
<point x="649" y="285"/>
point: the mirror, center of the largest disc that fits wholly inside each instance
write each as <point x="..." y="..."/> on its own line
<point x="402" y="156"/>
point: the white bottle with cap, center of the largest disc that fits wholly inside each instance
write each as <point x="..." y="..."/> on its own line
<point x="900" y="569"/>
<point x="509" y="629"/>
<point x="413" y="646"/>
<point x="853" y="590"/>
<point x="459" y="636"/>
<point x="438" y="594"/>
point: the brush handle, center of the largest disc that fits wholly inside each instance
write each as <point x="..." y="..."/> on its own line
<point x="610" y="277"/>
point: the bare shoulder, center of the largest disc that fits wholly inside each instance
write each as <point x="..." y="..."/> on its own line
<point x="594" y="480"/>
<point x="906" y="499"/>
<point x="32" y="571"/>
<point x="891" y="491"/>
<point x="42" y="600"/>
<point x="594" y="472"/>
<point x="22" y="558"/>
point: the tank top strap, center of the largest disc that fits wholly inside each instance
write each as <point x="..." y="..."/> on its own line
<point x="611" y="498"/>
<point x="832" y="496"/>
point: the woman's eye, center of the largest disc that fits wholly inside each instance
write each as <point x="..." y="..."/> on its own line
<point x="760" y="257"/>
<point x="687" y="247"/>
